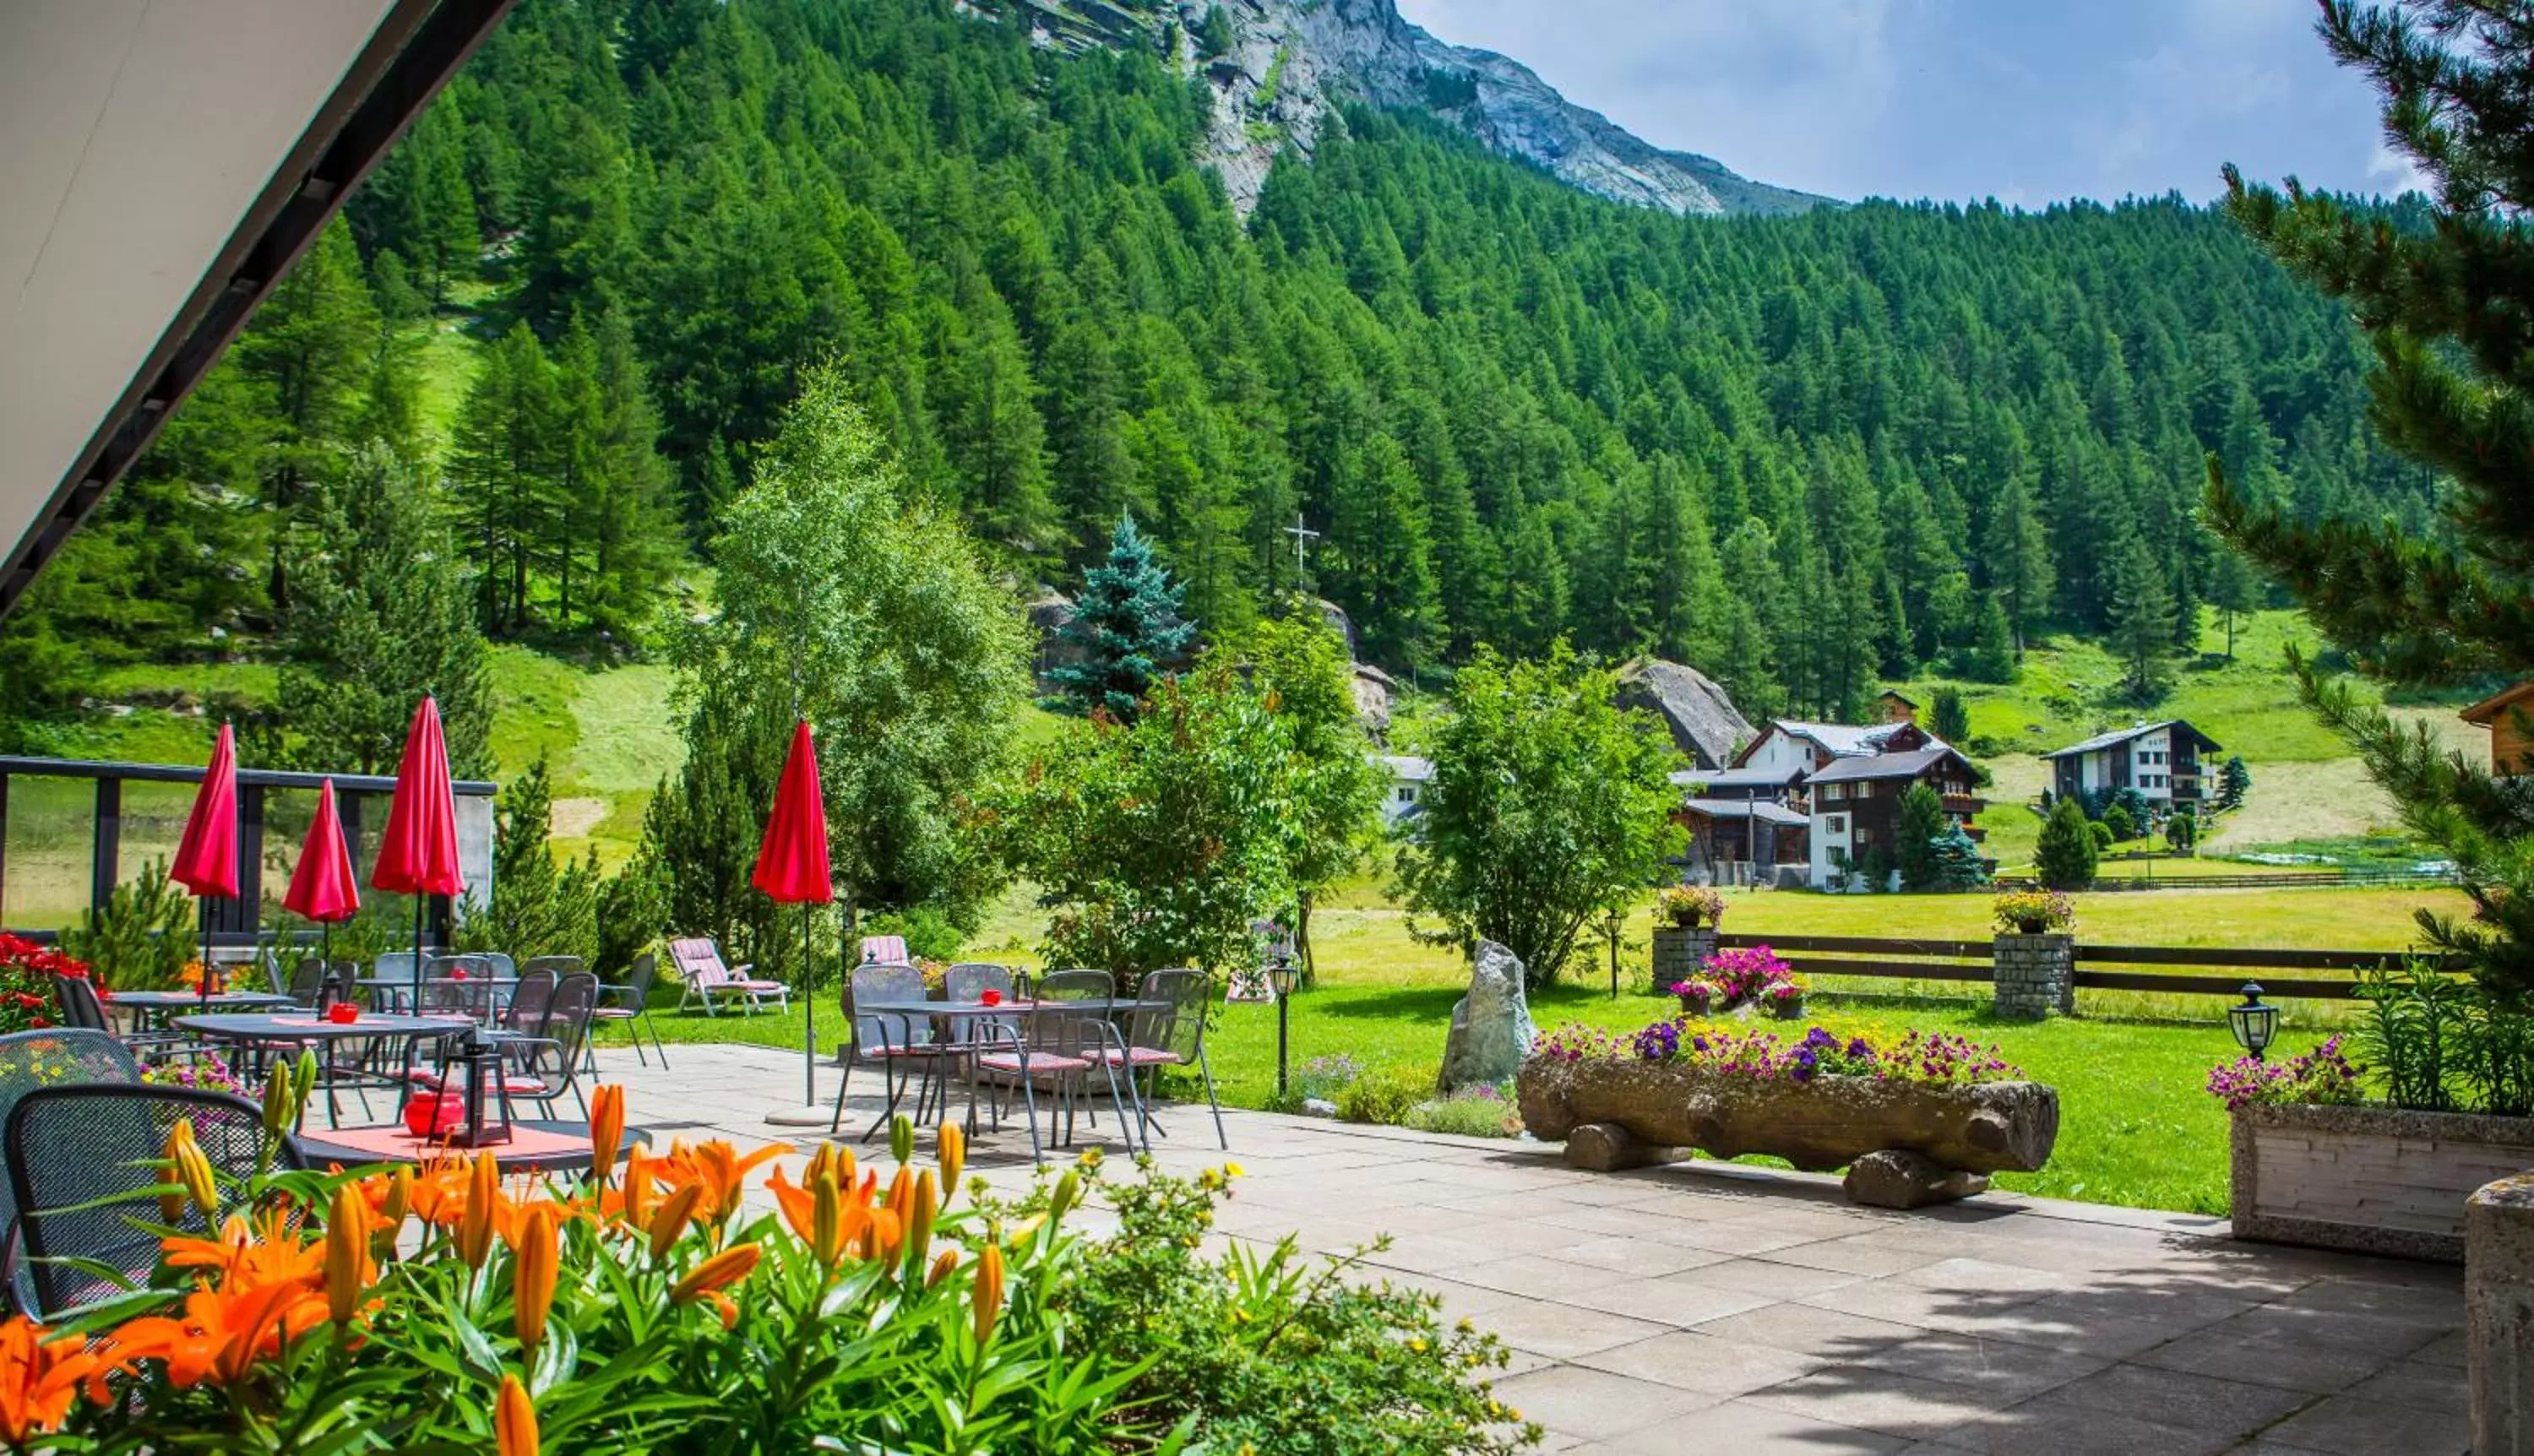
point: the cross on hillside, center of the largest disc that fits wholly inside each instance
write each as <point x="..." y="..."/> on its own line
<point x="1303" y="536"/>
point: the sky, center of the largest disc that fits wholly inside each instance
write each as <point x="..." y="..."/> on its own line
<point x="2028" y="102"/>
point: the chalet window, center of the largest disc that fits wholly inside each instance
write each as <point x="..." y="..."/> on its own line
<point x="1838" y="824"/>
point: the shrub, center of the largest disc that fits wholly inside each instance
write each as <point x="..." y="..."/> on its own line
<point x="929" y="932"/>
<point x="2066" y="856"/>
<point x="1958" y="861"/>
<point x="1385" y="1094"/>
<point x="1920" y="821"/>
<point x="2120" y="825"/>
<point x="1472" y="1112"/>
<point x="141" y="938"/>
<point x="1950" y="719"/>
<point x="2101" y="834"/>
<point x="2182" y="831"/>
<point x="1324" y="1078"/>
<point x="1270" y="1349"/>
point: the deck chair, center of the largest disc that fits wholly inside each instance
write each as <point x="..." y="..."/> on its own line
<point x="885" y="950"/>
<point x="699" y="967"/>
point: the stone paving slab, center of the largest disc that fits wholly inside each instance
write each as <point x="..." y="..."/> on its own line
<point x="1710" y="1307"/>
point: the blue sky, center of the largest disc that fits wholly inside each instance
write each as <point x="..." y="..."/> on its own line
<point x="2024" y="100"/>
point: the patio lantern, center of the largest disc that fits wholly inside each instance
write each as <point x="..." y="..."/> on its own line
<point x="481" y="1058"/>
<point x="1614" y="921"/>
<point x="2254" y="1021"/>
<point x="1281" y="978"/>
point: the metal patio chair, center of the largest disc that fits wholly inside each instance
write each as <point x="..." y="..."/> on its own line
<point x="631" y="1004"/>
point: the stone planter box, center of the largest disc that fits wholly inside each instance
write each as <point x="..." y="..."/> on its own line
<point x="2035" y="976"/>
<point x="2374" y="1180"/>
<point x="1917" y="1144"/>
<point x="1679" y="954"/>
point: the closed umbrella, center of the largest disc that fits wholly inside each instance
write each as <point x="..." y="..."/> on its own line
<point x="321" y="884"/>
<point x="791" y="870"/>
<point x="206" y="856"/>
<point x="419" y="851"/>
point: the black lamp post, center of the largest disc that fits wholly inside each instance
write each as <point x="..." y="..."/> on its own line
<point x="2254" y="1021"/>
<point x="1613" y="921"/>
<point x="1280" y="976"/>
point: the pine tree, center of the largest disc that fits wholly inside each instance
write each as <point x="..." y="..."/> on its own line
<point x="2233" y="590"/>
<point x="504" y="470"/>
<point x="2066" y="856"/>
<point x="2142" y="624"/>
<point x="1958" y="864"/>
<point x="1951" y="720"/>
<point x="1917" y="826"/>
<point x="2017" y="559"/>
<point x="2234" y="782"/>
<point x="1127" y="626"/>
<point x="1993" y="651"/>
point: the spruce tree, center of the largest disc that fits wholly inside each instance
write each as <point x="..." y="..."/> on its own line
<point x="1127" y="626"/>
<point x="2234" y="782"/>
<point x="2066" y="856"/>
<point x="1993" y="653"/>
<point x="1951" y="720"/>
<point x="1958" y="864"/>
<point x="2234" y="590"/>
<point x="1921" y="818"/>
<point x="2443" y="305"/>
<point x="2142" y="624"/>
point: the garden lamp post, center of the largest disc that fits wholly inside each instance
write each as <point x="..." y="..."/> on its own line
<point x="1613" y="921"/>
<point x="1280" y="976"/>
<point x="2254" y="1021"/>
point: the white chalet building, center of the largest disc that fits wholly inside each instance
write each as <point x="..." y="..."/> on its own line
<point x="1409" y="775"/>
<point x="2161" y="761"/>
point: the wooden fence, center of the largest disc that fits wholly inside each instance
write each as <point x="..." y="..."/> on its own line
<point x="1970" y="960"/>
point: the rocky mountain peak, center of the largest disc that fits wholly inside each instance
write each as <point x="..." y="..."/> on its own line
<point x="1277" y="66"/>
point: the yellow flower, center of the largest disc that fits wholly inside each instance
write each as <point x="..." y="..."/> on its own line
<point x="1235" y="1170"/>
<point x="514" y="1420"/>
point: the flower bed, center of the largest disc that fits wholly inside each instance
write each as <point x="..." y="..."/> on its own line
<point x="1751" y="976"/>
<point x="1944" y="1104"/>
<point x="451" y="1309"/>
<point x="26" y="974"/>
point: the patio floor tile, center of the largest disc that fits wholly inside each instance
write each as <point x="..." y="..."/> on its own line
<point x="1591" y="1404"/>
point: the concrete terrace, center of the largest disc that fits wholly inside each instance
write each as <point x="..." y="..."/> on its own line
<point x="1707" y="1308"/>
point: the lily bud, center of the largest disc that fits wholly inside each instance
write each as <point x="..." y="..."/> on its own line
<point x="826" y="1219"/>
<point x="475" y="1225"/>
<point x="919" y="1222"/>
<point x="990" y="1291"/>
<point x="606" y="1128"/>
<point x="953" y="1145"/>
<point x="716" y="1274"/>
<point x="347" y="1253"/>
<point x="941" y="1267"/>
<point x="901" y="1137"/>
<point x="671" y="1217"/>
<point x="534" y="1272"/>
<point x="514" y="1420"/>
<point x="171" y="1205"/>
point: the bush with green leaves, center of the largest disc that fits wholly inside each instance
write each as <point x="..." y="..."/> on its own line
<point x="1548" y="804"/>
<point x="1921" y="820"/>
<point x="2439" y="1042"/>
<point x="1273" y="1350"/>
<point x="1384" y="1093"/>
<point x="2122" y="825"/>
<point x="142" y="937"/>
<point x="1948" y="718"/>
<point x="1472" y="1112"/>
<point x="2066" y="855"/>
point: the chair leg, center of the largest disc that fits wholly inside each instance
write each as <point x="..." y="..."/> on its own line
<point x="1029" y="1100"/>
<point x="1123" y="1123"/>
<point x="1207" y="1072"/>
<point x="643" y="1020"/>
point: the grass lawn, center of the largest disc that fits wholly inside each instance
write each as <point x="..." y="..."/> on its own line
<point x="2136" y="1127"/>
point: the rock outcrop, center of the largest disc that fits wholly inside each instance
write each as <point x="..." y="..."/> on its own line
<point x="1704" y="722"/>
<point x="1291" y="61"/>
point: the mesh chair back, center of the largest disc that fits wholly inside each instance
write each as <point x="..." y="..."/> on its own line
<point x="477" y="967"/>
<point x="1076" y="986"/>
<point x="964" y="981"/>
<point x="307" y="980"/>
<point x="80" y="1006"/>
<point x="81" y="1171"/>
<point x="504" y="967"/>
<point x="532" y="1003"/>
<point x="1071" y="1029"/>
<point x="637" y="982"/>
<point x="447" y="999"/>
<point x="553" y="965"/>
<point x="893" y="1031"/>
<point x="567" y="1020"/>
<point x="1170" y="1011"/>
<point x="53" y="1057"/>
<point x="392" y="965"/>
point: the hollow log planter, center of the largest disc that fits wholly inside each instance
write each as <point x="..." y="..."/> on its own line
<point x="1904" y="1143"/>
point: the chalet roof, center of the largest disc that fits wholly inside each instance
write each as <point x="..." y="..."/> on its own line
<point x="2490" y="710"/>
<point x="1886" y="765"/>
<point x="2101" y="741"/>
<point x="1738" y="778"/>
<point x="1750" y="809"/>
<point x="1848" y="739"/>
<point x="1405" y="767"/>
<point x="1704" y="722"/>
<point x="1897" y="695"/>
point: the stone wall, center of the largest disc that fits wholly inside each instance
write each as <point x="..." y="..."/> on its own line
<point x="2372" y="1179"/>
<point x="2035" y="975"/>
<point x="1678" y="955"/>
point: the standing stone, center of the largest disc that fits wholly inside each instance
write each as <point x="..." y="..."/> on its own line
<point x="2498" y="1313"/>
<point x="1680" y="953"/>
<point x="2035" y="976"/>
<point x="1491" y="1031"/>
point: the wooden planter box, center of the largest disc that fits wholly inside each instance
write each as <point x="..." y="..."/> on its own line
<point x="2376" y="1179"/>
<point x="1617" y="1112"/>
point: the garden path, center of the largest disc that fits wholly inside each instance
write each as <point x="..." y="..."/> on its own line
<point x="1706" y="1308"/>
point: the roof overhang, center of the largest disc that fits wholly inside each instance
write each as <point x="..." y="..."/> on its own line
<point x="163" y="163"/>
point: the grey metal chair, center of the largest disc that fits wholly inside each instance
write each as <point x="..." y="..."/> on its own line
<point x="1074" y="986"/>
<point x="82" y="1179"/>
<point x="1166" y="1027"/>
<point x="57" y="1057"/>
<point x="966" y="980"/>
<point x="1061" y="1043"/>
<point x="899" y="1043"/>
<point x="631" y="1004"/>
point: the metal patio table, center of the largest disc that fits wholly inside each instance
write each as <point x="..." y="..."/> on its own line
<point x="263" y="1034"/>
<point x="540" y="1147"/>
<point x="1015" y="1037"/>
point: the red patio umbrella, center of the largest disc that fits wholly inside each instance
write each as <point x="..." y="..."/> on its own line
<point x="419" y="851"/>
<point x="791" y="870"/>
<point x="206" y="856"/>
<point x="322" y="883"/>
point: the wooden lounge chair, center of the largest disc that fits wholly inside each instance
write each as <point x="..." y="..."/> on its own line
<point x="699" y="967"/>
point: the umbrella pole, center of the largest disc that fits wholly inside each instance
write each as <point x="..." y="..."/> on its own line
<point x="809" y="1013"/>
<point x="203" y="982"/>
<point x="420" y="904"/>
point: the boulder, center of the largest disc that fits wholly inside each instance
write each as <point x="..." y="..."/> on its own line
<point x="1491" y="1031"/>
<point x="1896" y="1178"/>
<point x="1703" y="721"/>
<point x="1050" y="614"/>
<point x="1372" y="690"/>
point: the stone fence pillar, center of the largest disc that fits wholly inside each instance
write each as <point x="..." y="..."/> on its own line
<point x="1679" y="954"/>
<point x="2498" y="1313"/>
<point x="2035" y="975"/>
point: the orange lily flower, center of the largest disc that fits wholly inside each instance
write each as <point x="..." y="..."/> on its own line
<point x="38" y="1378"/>
<point x="722" y="1171"/>
<point x="349" y="1269"/>
<point x="479" y="1220"/>
<point x="669" y="1223"/>
<point x="708" y="1280"/>
<point x="606" y="1128"/>
<point x="514" y="1420"/>
<point x="267" y="1255"/>
<point x="534" y="1272"/>
<point x="989" y="1289"/>
<point x="952" y="1144"/>
<point x="941" y="1267"/>
<point x="221" y="1335"/>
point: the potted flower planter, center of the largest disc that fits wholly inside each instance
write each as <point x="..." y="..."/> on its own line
<point x="1679" y="952"/>
<point x="2371" y="1179"/>
<point x="1696" y="1003"/>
